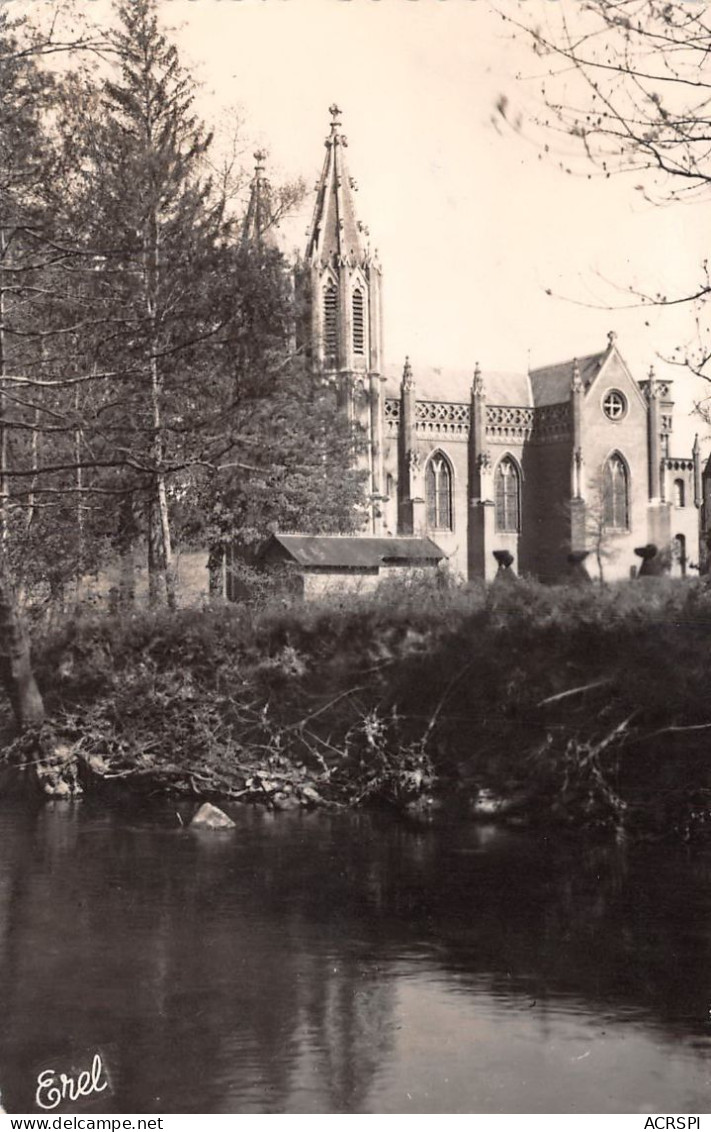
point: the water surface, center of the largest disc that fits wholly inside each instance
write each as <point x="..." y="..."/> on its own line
<point x="342" y="964"/>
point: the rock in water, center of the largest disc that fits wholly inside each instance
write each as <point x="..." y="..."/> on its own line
<point x="211" y="817"/>
<point x="282" y="801"/>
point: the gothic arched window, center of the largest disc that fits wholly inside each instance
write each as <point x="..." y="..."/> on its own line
<point x="330" y="320"/>
<point x="679" y="493"/>
<point x="438" y="493"/>
<point x="615" y="494"/>
<point x="507" y="495"/>
<point x="358" y="322"/>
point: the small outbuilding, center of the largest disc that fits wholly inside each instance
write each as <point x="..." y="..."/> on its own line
<point x="324" y="563"/>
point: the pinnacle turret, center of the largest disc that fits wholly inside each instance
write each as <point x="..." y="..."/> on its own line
<point x="408" y="379"/>
<point x="259" y="224"/>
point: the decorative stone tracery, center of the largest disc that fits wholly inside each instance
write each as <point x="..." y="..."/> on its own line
<point x="442" y="419"/>
<point x="391" y="413"/>
<point x="518" y="423"/>
<point x="658" y="387"/>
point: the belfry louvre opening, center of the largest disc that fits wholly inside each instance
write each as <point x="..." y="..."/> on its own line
<point x="330" y="320"/>
<point x="358" y="322"/>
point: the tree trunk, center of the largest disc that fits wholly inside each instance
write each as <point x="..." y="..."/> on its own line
<point x="155" y="550"/>
<point x="3" y="407"/>
<point x="15" y="664"/>
<point x="216" y="570"/>
<point x="160" y="501"/>
<point x="168" y="562"/>
<point x="34" y="458"/>
<point x="80" y="490"/>
<point x="126" y="542"/>
<point x="598" y="556"/>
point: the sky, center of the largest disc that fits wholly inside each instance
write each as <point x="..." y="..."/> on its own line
<point x="490" y="252"/>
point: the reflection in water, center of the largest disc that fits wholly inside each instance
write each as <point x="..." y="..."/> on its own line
<point x="318" y="963"/>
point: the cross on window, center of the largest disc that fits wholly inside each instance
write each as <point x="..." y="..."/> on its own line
<point x="614" y="405"/>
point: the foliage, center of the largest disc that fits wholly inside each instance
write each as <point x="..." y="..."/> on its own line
<point x="149" y="387"/>
<point x="625" y="87"/>
<point x="548" y="697"/>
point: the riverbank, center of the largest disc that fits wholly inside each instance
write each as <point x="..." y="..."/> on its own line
<point x="584" y="707"/>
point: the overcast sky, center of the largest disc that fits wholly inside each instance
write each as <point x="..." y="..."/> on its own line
<point x="473" y="224"/>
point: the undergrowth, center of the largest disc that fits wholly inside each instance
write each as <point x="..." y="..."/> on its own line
<point x="587" y="705"/>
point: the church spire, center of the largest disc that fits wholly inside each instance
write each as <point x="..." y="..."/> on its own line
<point x="335" y="235"/>
<point x="258" y="227"/>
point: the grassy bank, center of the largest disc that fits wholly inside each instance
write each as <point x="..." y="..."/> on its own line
<point x="582" y="706"/>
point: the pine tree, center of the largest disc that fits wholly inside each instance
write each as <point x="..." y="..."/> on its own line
<point x="154" y="227"/>
<point x="275" y="452"/>
<point x="32" y="307"/>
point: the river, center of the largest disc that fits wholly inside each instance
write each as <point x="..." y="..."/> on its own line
<point x="318" y="963"/>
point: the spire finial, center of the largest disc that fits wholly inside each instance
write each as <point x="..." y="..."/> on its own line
<point x="478" y="383"/>
<point x="260" y="156"/>
<point x="611" y="338"/>
<point x="335" y="112"/>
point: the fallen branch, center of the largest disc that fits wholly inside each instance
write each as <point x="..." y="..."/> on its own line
<point x="575" y="691"/>
<point x="321" y="710"/>
<point x="673" y="729"/>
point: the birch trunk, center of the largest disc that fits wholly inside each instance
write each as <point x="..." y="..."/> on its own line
<point x="15" y="663"/>
<point x="3" y="364"/>
<point x="151" y="280"/>
<point x="155" y="550"/>
<point x="34" y="458"/>
<point x="80" y="489"/>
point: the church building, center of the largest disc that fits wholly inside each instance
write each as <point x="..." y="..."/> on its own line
<point x="571" y="457"/>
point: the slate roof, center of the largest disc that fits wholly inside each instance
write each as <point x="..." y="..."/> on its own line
<point x="354" y="550"/>
<point x="435" y="383"/>
<point x="551" y="384"/>
<point x="546" y="385"/>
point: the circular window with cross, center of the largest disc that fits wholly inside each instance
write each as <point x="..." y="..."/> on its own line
<point x="614" y="405"/>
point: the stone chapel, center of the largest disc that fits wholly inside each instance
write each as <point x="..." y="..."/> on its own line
<point x="570" y="457"/>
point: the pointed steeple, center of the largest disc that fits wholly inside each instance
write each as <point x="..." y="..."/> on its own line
<point x="339" y="289"/>
<point x="335" y="235"/>
<point x="258" y="227"/>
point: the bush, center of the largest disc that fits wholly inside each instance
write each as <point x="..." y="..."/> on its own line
<point x="592" y="702"/>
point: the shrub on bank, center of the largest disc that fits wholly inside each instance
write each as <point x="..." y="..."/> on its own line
<point x="588" y="704"/>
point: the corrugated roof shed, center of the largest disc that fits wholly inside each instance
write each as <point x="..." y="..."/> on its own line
<point x="354" y="550"/>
